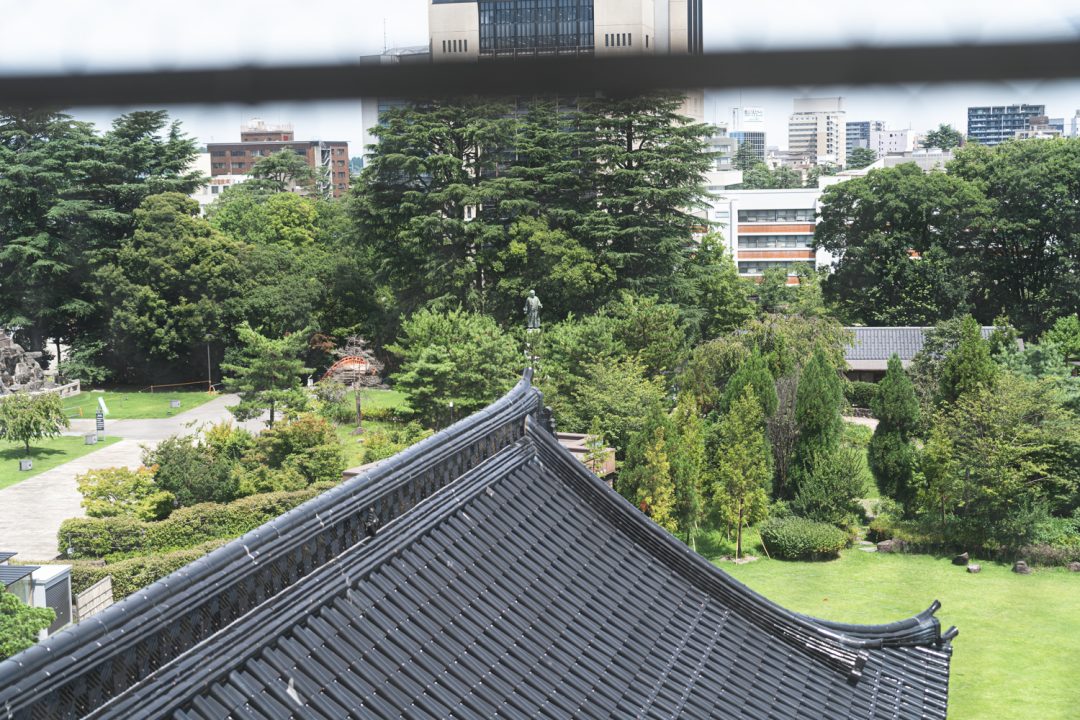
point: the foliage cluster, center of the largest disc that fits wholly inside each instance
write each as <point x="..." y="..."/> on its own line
<point x="797" y="538"/>
<point x="20" y="624"/>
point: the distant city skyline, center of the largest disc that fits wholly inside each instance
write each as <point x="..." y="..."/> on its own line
<point x="126" y="34"/>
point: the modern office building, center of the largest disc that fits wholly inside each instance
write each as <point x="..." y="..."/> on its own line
<point x="1041" y="128"/>
<point x="817" y="130"/>
<point x="994" y="124"/>
<point x="472" y="30"/>
<point x="770" y="228"/>
<point x="861" y="134"/>
<point x="748" y="126"/>
<point x="257" y="140"/>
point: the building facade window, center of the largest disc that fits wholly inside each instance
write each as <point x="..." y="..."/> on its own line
<point x="751" y="242"/>
<point x="535" y="27"/>
<point x="758" y="267"/>
<point x="790" y="215"/>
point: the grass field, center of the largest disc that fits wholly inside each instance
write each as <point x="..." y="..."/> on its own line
<point x="46" y="455"/>
<point x="130" y="405"/>
<point x="1019" y="643"/>
<point x="370" y="400"/>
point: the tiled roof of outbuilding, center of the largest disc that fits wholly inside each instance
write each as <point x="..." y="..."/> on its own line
<point x="879" y="343"/>
<point x="519" y="586"/>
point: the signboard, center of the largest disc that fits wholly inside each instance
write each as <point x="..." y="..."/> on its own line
<point x="100" y="421"/>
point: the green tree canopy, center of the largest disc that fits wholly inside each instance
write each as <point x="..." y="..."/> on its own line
<point x="454" y="357"/>
<point x="818" y="401"/>
<point x="896" y="235"/>
<point x="945" y="137"/>
<point x="25" y="418"/>
<point x="968" y="365"/>
<point x="860" y="157"/>
<point x="20" y="624"/>
<point x="891" y="453"/>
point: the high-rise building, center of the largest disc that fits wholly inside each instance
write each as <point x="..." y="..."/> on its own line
<point x="860" y="134"/>
<point x="748" y="126"/>
<point x="993" y="124"/>
<point x="258" y="140"/>
<point x="483" y="30"/>
<point x="817" y="130"/>
<point x="488" y="29"/>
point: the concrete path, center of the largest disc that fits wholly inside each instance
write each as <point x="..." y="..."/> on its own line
<point x="868" y="422"/>
<point x="31" y="511"/>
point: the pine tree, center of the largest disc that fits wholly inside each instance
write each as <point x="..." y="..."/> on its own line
<point x="266" y="374"/>
<point x="742" y="463"/>
<point x="818" y="401"/>
<point x="891" y="453"/>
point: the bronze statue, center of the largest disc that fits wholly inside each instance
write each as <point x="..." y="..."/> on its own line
<point x="532" y="311"/>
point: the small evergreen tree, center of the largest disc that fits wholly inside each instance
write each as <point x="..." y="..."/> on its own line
<point x="818" y="401"/>
<point x="742" y="463"/>
<point x="596" y="454"/>
<point x="891" y="453"/>
<point x="655" y="493"/>
<point x="266" y="372"/>
<point x="969" y="365"/>
<point x="688" y="467"/>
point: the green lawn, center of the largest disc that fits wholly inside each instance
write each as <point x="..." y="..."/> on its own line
<point x="1019" y="643"/>
<point x="131" y="405"/>
<point x="377" y="399"/>
<point x="370" y="399"/>
<point x="46" y="455"/>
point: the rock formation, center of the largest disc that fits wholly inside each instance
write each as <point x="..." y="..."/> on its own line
<point x="19" y="370"/>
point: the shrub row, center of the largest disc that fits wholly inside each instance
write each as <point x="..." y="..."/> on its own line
<point x="860" y="394"/>
<point x="796" y="538"/>
<point x="185" y="528"/>
<point x="135" y="573"/>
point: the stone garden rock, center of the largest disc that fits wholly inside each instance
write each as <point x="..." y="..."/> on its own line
<point x="891" y="546"/>
<point x="19" y="370"/>
<point x="961" y="559"/>
<point x="974" y="568"/>
<point x="1074" y="567"/>
<point x="1021" y="568"/>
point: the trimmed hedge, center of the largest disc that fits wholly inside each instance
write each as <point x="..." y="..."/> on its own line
<point x="135" y="573"/>
<point x="797" y="538"/>
<point x="185" y="528"/>
<point x="860" y="394"/>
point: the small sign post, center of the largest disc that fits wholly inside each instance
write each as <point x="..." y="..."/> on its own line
<point x="100" y="421"/>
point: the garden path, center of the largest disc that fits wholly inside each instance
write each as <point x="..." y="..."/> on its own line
<point x="31" y="511"/>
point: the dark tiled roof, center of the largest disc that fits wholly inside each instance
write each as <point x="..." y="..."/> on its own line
<point x="879" y="343"/>
<point x="6" y="556"/>
<point x="520" y="587"/>
<point x="13" y="573"/>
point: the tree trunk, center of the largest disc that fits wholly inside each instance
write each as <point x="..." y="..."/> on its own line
<point x="738" y="534"/>
<point x="27" y="443"/>
<point x="271" y="413"/>
<point x="359" y="412"/>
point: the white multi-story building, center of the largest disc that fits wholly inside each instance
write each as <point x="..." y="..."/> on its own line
<point x="769" y="228"/>
<point x="817" y="130"/>
<point x="208" y="193"/>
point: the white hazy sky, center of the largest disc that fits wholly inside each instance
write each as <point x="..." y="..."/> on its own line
<point x="38" y="36"/>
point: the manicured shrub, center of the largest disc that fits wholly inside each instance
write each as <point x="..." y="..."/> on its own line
<point x="121" y="492"/>
<point x="185" y="528"/>
<point x="382" y="443"/>
<point x="802" y="539"/>
<point x="830" y="494"/>
<point x="860" y="394"/>
<point x="135" y="573"/>
<point x="191" y="472"/>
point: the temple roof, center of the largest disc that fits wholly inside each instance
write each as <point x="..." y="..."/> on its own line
<point x="873" y="346"/>
<point x="492" y="579"/>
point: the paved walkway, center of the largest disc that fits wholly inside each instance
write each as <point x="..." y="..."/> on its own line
<point x="31" y="511"/>
<point x="868" y="422"/>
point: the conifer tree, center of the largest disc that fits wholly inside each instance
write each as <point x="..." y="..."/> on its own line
<point x="755" y="373"/>
<point x="688" y="466"/>
<point x="891" y="453"/>
<point x="655" y="492"/>
<point x="969" y="365"/>
<point x="742" y="463"/>
<point x="266" y="374"/>
<point x="817" y="412"/>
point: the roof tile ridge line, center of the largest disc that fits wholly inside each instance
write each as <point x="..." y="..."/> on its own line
<point x="851" y="650"/>
<point x="177" y="671"/>
<point x="19" y="668"/>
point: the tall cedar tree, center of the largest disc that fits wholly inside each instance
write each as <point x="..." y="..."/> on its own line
<point x="712" y="294"/>
<point x="891" y="453"/>
<point x="742" y="462"/>
<point x="468" y="202"/>
<point x="968" y="365"/>
<point x="46" y="159"/>
<point x="896" y="234"/>
<point x="818" y="401"/>
<point x="266" y="373"/>
<point x="654" y="494"/>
